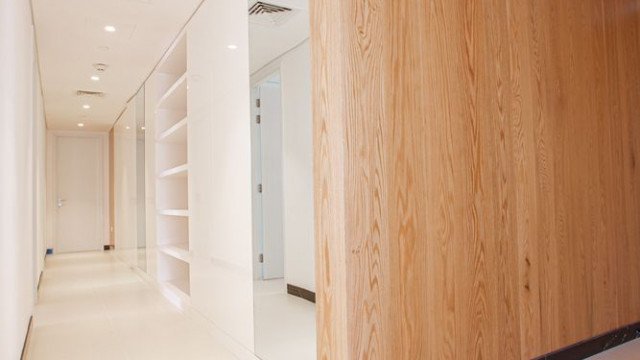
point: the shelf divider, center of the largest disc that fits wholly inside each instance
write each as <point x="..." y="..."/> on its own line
<point x="174" y="172"/>
<point x="174" y="212"/>
<point x="175" y="134"/>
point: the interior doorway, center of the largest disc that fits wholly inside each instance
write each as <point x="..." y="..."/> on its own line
<point x="284" y="295"/>
<point x="267" y="178"/>
<point x="80" y="189"/>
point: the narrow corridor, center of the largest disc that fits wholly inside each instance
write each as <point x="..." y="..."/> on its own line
<point x="92" y="306"/>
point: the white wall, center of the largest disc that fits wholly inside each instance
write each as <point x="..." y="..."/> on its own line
<point x="21" y="136"/>
<point x="40" y="171"/>
<point x="295" y="71"/>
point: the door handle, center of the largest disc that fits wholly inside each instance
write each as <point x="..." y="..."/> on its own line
<point x="61" y="202"/>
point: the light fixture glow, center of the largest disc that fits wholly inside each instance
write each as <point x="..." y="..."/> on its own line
<point x="110" y="28"/>
<point x="95" y="77"/>
<point x="232" y="47"/>
<point x="142" y="128"/>
<point x="86" y="106"/>
<point x="80" y="125"/>
<point x="128" y="127"/>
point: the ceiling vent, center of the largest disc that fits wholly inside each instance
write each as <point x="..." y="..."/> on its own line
<point x="89" y="93"/>
<point x="100" y="67"/>
<point x="263" y="13"/>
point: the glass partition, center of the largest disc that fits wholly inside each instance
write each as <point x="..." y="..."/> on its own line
<point x="140" y="180"/>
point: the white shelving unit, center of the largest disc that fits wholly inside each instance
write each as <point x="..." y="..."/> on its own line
<point x="172" y="166"/>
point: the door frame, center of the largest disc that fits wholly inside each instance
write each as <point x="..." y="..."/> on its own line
<point x="258" y="78"/>
<point x="52" y="149"/>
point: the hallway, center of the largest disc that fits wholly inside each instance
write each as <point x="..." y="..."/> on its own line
<point x="92" y="306"/>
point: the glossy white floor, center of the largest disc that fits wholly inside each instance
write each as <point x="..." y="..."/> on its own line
<point x="92" y="306"/>
<point x="285" y="325"/>
<point x="627" y="351"/>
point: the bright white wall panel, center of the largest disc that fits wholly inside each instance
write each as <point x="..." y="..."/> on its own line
<point x="20" y="155"/>
<point x="220" y="167"/>
<point x="295" y="71"/>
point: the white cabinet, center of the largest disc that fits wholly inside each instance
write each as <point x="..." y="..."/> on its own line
<point x="219" y="143"/>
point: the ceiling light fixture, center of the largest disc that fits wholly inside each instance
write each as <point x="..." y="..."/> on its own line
<point x="110" y="28"/>
<point x="95" y="78"/>
<point x="128" y="128"/>
<point x="232" y="47"/>
<point x="86" y="106"/>
<point x="80" y="125"/>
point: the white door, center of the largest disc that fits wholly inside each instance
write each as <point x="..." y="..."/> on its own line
<point x="270" y="192"/>
<point x="79" y="182"/>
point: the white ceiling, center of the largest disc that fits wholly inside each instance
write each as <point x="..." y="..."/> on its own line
<point x="268" y="42"/>
<point x="71" y="37"/>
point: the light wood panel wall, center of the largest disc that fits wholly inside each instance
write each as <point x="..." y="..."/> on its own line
<point x="476" y="178"/>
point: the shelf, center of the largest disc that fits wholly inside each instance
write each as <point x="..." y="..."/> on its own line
<point x="174" y="212"/>
<point x="175" y="134"/>
<point x="179" y="286"/>
<point x="175" y="61"/>
<point x="175" y="172"/>
<point x="178" y="251"/>
<point x="176" y="96"/>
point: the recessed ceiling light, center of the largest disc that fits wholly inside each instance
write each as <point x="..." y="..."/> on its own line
<point x="142" y="128"/>
<point x="128" y="128"/>
<point x="95" y="77"/>
<point x="80" y="125"/>
<point x="110" y="28"/>
<point x="86" y="106"/>
<point x="232" y="46"/>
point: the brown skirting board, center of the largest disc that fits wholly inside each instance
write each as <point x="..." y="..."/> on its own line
<point x="302" y="293"/>
<point x="39" y="281"/>
<point x="27" y="340"/>
<point x="595" y="345"/>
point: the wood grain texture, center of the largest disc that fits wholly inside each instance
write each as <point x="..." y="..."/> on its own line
<point x="477" y="189"/>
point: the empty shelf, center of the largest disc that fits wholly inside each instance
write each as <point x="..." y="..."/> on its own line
<point x="175" y="61"/>
<point x="175" y="134"/>
<point x="174" y="172"/>
<point x="176" y="97"/>
<point x="178" y="251"/>
<point x="174" y="212"/>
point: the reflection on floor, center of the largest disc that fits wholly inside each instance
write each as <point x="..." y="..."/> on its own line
<point x="92" y="306"/>
<point x="627" y="351"/>
<point x="285" y="324"/>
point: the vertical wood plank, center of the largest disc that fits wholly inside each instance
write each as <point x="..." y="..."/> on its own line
<point x="329" y="182"/>
<point x="477" y="194"/>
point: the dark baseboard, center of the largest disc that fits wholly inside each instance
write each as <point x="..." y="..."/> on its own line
<point x="595" y="345"/>
<point x="302" y="293"/>
<point x="39" y="280"/>
<point x="109" y="247"/>
<point x="27" y="339"/>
